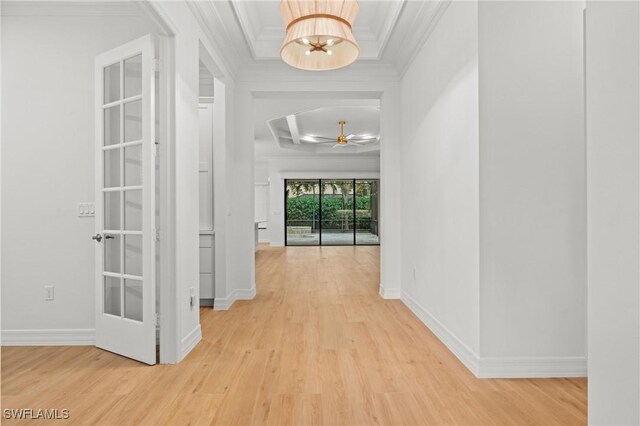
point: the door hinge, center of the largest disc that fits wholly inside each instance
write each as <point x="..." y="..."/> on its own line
<point x="155" y="65"/>
<point x="156" y="149"/>
<point x="157" y="320"/>
<point x="156" y="234"/>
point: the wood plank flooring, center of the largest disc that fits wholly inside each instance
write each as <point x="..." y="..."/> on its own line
<point x="316" y="346"/>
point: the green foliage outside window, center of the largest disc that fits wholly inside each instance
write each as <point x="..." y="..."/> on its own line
<point x="304" y="211"/>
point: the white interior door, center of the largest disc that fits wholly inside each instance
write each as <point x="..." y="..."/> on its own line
<point x="125" y="200"/>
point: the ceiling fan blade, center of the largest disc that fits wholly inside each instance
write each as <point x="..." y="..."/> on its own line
<point x="355" y="143"/>
<point x="350" y="136"/>
<point x="315" y="139"/>
<point x="363" y="140"/>
<point x="321" y="143"/>
<point x="337" y="145"/>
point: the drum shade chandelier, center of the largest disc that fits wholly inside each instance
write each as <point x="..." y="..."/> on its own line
<point x="318" y="33"/>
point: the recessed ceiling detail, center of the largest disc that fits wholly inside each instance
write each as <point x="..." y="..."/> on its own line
<point x="319" y="131"/>
<point x="262" y="26"/>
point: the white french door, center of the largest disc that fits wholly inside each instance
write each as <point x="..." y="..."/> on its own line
<point x="125" y="200"/>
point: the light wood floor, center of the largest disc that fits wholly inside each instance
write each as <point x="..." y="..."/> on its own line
<point x="316" y="346"/>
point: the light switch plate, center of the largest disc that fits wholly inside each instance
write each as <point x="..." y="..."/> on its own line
<point x="86" y="209"/>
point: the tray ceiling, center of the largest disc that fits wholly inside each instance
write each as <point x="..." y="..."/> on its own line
<point x="247" y="34"/>
<point x="263" y="29"/>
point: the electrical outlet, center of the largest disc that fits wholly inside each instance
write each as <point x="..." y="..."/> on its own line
<point x="48" y="292"/>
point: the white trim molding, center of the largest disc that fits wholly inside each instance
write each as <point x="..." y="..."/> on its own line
<point x="467" y="356"/>
<point x="224" y="303"/>
<point x="190" y="341"/>
<point x="493" y="368"/>
<point x="49" y="337"/>
<point x="389" y="293"/>
<point x="329" y="175"/>
<point x="540" y="367"/>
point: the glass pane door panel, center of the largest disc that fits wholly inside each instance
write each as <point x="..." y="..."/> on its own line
<point x="133" y="121"/>
<point x="337" y="212"/>
<point x="133" y="76"/>
<point x="112" y="83"/>
<point x="112" y="125"/>
<point x="133" y="255"/>
<point x="133" y="299"/>
<point x="112" y="168"/>
<point x="303" y="212"/>
<point x="112" y="254"/>
<point x="133" y="210"/>
<point x="112" y="210"/>
<point x="133" y="165"/>
<point x="367" y="212"/>
<point x="112" y="296"/>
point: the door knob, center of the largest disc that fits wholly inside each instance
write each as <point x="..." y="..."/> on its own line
<point x="97" y="237"/>
<point x="109" y="237"/>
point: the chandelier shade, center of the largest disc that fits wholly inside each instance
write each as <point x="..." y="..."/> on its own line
<point x="319" y="33"/>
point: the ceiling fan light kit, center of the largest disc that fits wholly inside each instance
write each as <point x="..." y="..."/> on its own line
<point x="319" y="34"/>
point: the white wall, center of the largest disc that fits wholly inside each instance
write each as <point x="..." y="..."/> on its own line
<point x="613" y="172"/>
<point x="47" y="166"/>
<point x="50" y="111"/>
<point x="494" y="201"/>
<point x="333" y="167"/>
<point x="532" y="181"/>
<point x="440" y="256"/>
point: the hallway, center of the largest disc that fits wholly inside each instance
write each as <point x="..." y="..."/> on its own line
<point x="316" y="346"/>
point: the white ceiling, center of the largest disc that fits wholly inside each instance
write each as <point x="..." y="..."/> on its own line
<point x="248" y="33"/>
<point x="316" y="131"/>
<point x="264" y="30"/>
<point x="314" y="117"/>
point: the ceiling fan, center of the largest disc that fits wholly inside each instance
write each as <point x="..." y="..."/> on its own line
<point x="341" y="140"/>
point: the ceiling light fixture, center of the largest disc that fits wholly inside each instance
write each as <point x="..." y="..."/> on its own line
<point x="312" y="26"/>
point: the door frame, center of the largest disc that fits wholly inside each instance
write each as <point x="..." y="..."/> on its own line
<point x="167" y="330"/>
<point x="172" y="347"/>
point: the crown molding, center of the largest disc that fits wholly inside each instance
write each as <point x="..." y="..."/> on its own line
<point x="217" y="25"/>
<point x="69" y="8"/>
<point x="238" y="36"/>
<point x="264" y="41"/>
<point x="430" y="13"/>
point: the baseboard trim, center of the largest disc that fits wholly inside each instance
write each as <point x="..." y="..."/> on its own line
<point x="390" y="293"/>
<point x="538" y="367"/>
<point x="206" y="302"/>
<point x="49" y="337"/>
<point x="190" y="341"/>
<point x="467" y="356"/>
<point x="495" y="368"/>
<point x="224" y="303"/>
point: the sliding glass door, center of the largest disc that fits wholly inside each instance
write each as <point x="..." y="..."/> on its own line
<point x="302" y="212"/>
<point x="337" y="212"/>
<point x="331" y="212"/>
<point x="367" y="212"/>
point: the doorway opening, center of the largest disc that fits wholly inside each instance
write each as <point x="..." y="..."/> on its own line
<point x="206" y="235"/>
<point x="331" y="212"/>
